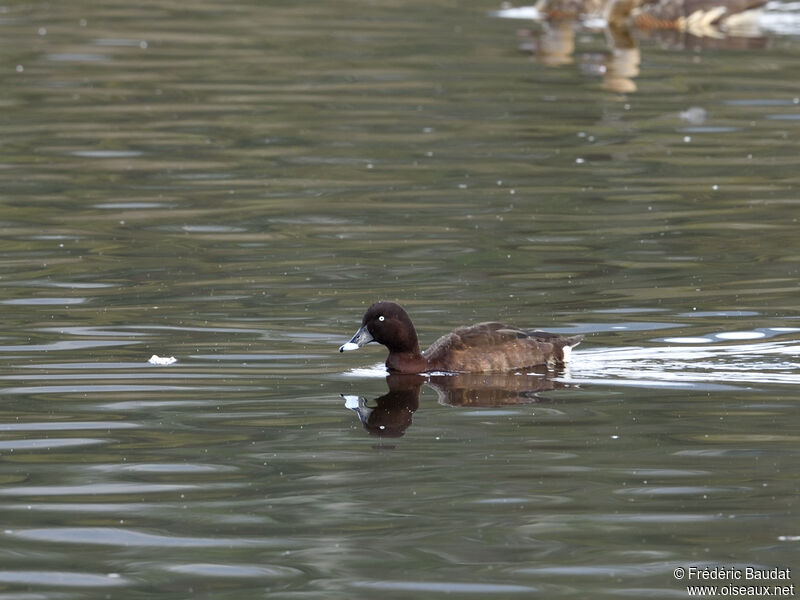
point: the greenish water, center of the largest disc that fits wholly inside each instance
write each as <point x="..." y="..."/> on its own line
<point x="232" y="184"/>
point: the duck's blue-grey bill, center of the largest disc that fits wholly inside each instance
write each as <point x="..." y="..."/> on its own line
<point x="362" y="336"/>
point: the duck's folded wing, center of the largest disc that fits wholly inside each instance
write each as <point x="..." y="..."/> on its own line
<point x="482" y="336"/>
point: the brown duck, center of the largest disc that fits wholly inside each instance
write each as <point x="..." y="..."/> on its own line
<point x="485" y="347"/>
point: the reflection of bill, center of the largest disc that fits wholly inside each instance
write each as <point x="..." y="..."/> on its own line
<point x="391" y="414"/>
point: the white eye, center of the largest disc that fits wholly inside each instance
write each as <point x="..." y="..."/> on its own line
<point x="380" y="318"/>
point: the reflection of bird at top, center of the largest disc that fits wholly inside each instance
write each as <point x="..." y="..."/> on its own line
<point x="554" y="46"/>
<point x="675" y="23"/>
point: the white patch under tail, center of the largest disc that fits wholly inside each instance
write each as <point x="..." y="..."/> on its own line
<point x="567" y="351"/>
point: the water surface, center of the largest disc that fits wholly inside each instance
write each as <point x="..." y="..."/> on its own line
<point x="233" y="184"/>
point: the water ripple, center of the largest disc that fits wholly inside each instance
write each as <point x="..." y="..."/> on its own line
<point x="444" y="587"/>
<point x="70" y="345"/>
<point x="115" y="536"/>
<point x="62" y="579"/>
<point x="66" y="426"/>
<point x="48" y="444"/>
<point x="165" y="468"/>
<point x="89" y="389"/>
<point x="238" y="570"/>
<point x="606" y="570"/>
<point x="43" y="301"/>
<point x="91" y="489"/>
<point x="711" y="366"/>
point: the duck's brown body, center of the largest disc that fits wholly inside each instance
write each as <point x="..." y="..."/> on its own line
<point x="495" y="347"/>
<point x="482" y="348"/>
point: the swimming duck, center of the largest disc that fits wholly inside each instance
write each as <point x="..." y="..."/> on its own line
<point x="485" y="347"/>
<point x="711" y="18"/>
<point x="698" y="17"/>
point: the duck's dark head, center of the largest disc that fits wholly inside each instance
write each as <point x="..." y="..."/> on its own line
<point x="388" y="324"/>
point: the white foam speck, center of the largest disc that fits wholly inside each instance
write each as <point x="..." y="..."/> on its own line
<point x="162" y="360"/>
<point x="348" y="347"/>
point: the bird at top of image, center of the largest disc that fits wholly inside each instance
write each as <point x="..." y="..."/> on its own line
<point x="699" y="17"/>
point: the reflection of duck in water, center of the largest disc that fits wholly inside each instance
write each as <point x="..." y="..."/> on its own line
<point x="390" y="415"/>
<point x="486" y="347"/>
<point x="673" y="23"/>
<point x="487" y="390"/>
